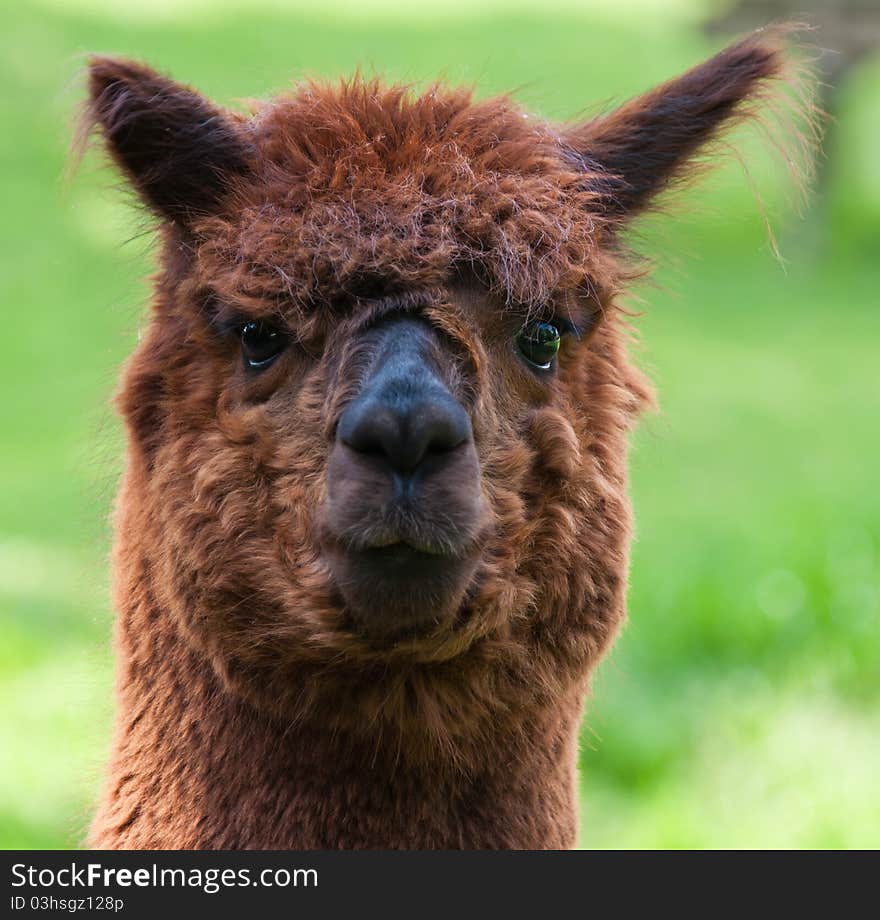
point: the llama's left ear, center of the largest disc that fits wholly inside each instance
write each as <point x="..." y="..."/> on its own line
<point x="178" y="150"/>
<point x="641" y="148"/>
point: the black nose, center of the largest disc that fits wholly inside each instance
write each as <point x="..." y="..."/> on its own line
<point x="405" y="421"/>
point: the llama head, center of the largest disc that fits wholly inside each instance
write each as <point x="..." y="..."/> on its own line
<point x="377" y="424"/>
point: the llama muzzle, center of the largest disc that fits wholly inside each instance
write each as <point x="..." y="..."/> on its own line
<point x="404" y="504"/>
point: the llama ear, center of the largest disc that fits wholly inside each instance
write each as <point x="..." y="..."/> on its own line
<point x="178" y="149"/>
<point x="648" y="144"/>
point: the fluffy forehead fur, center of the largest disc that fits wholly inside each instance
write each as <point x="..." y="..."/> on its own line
<point x="362" y="189"/>
<point x="322" y="209"/>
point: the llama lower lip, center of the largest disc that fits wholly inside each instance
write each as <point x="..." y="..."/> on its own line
<point x="398" y="586"/>
<point x="402" y="558"/>
<point x="401" y="547"/>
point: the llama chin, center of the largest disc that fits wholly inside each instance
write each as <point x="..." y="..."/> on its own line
<point x="372" y="536"/>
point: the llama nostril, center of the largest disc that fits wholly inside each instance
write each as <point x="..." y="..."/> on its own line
<point x="404" y="432"/>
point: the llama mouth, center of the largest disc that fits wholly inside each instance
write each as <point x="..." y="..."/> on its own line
<point x="399" y="563"/>
<point x="401" y="554"/>
<point x="398" y="525"/>
<point x="400" y="586"/>
<point x="390" y="545"/>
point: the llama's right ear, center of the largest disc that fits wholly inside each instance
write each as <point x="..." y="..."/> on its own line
<point x="637" y="151"/>
<point x="178" y="149"/>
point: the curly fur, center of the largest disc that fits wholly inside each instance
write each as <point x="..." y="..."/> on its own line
<point x="252" y="711"/>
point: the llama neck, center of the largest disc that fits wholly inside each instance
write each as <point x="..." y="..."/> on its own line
<point x="195" y="767"/>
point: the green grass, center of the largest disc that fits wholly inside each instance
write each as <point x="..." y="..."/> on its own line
<point x="742" y="705"/>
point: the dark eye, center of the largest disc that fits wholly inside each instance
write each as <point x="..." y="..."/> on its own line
<point x="538" y="343"/>
<point x="261" y="343"/>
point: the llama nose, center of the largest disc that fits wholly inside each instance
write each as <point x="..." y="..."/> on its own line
<point x="404" y="427"/>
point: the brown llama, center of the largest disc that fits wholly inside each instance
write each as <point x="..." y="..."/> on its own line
<point x="372" y="536"/>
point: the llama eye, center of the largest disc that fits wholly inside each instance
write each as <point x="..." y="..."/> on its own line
<point x="538" y="343"/>
<point x="261" y="343"/>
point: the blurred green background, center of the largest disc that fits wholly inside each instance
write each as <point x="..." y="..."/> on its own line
<point x="741" y="708"/>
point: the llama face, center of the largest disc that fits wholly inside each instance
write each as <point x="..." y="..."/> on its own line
<point x="373" y="463"/>
<point x="369" y="415"/>
<point x="378" y="421"/>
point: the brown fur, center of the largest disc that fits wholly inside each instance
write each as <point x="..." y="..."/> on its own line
<point x="253" y="712"/>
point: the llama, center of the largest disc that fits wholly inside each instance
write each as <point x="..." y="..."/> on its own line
<point x="372" y="534"/>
